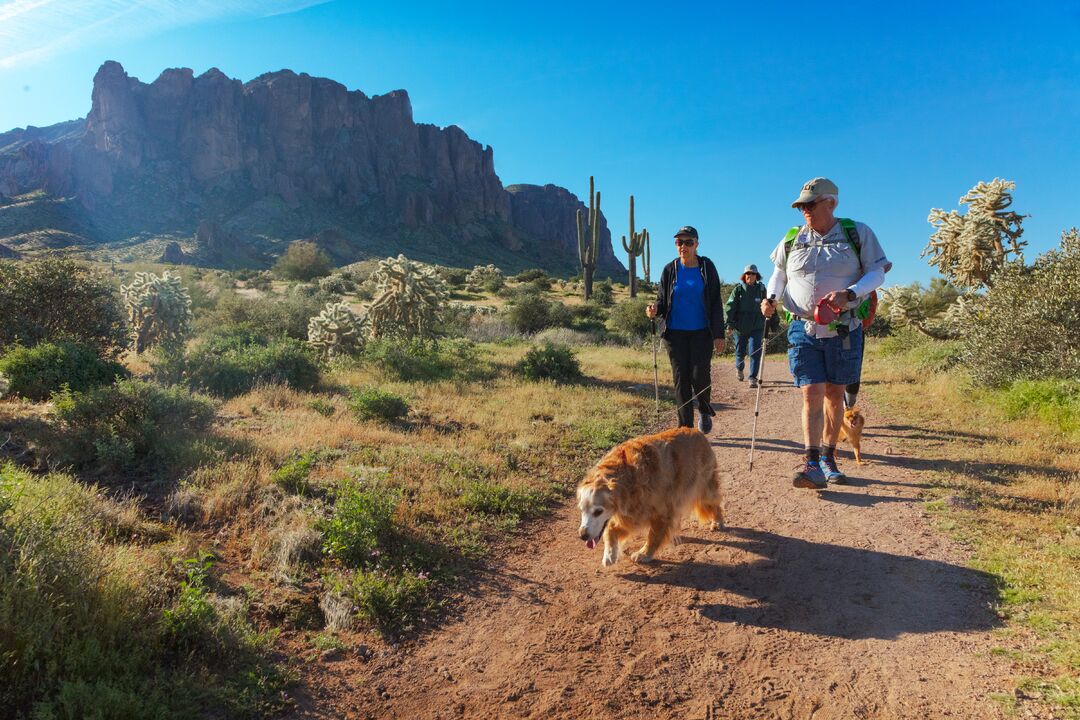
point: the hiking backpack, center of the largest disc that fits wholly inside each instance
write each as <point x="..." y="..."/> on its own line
<point x="865" y="310"/>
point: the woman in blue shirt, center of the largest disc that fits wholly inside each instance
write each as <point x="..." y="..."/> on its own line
<point x="692" y="325"/>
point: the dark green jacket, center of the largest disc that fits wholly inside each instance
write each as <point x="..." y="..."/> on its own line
<point x="744" y="308"/>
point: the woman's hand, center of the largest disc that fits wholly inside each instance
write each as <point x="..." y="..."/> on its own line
<point x="650" y="310"/>
<point x="718" y="345"/>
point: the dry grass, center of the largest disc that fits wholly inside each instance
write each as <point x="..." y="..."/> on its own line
<point x="1019" y="486"/>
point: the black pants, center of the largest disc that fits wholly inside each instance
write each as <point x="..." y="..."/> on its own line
<point x="690" y="352"/>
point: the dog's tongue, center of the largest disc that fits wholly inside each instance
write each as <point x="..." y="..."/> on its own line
<point x="590" y="544"/>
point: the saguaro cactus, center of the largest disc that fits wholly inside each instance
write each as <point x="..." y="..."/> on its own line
<point x="158" y="308"/>
<point x="336" y="331"/>
<point x="646" y="259"/>
<point x="588" y="239"/>
<point x="633" y="249"/>
<point x="409" y="299"/>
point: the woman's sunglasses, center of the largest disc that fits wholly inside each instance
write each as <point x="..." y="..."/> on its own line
<point x="684" y="241"/>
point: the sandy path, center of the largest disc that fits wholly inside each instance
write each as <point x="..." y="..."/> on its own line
<point x="834" y="604"/>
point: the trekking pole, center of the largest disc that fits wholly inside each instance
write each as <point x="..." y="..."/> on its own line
<point x="760" y="382"/>
<point x="655" y="372"/>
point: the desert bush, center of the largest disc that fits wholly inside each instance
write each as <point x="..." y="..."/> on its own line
<point x="132" y="424"/>
<point x="338" y="283"/>
<point x="278" y="316"/>
<point x="58" y="300"/>
<point x="628" y="318"/>
<point x="488" y="277"/>
<point x="569" y="336"/>
<point x="292" y="475"/>
<point x="604" y="293"/>
<point x="260" y="281"/>
<point x="38" y="372"/>
<point x="531" y="274"/>
<point x="531" y="312"/>
<point x="1057" y="402"/>
<point x="423" y="361"/>
<point x="363" y="516"/>
<point x="589" y="317"/>
<point x="1027" y="326"/>
<point x="303" y="261"/>
<point x="491" y="328"/>
<point x="550" y="362"/>
<point x="452" y="276"/>
<point x="232" y="363"/>
<point x="373" y="403"/>
<point x="390" y="601"/>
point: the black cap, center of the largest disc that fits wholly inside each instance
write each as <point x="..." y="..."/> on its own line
<point x="687" y="230"/>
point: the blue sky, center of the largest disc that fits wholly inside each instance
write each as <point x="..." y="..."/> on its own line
<point x="710" y="114"/>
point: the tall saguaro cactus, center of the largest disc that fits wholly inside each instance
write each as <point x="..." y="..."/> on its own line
<point x="634" y="248"/>
<point x="588" y="239"/>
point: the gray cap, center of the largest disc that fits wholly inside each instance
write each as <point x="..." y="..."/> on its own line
<point x="751" y="269"/>
<point x="813" y="189"/>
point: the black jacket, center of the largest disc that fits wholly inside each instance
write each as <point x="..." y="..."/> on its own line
<point x="714" y="305"/>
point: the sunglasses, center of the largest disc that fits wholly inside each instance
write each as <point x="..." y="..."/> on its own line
<point x="810" y="205"/>
<point x="685" y="241"/>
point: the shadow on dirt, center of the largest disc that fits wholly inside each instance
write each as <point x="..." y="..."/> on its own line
<point x="830" y="590"/>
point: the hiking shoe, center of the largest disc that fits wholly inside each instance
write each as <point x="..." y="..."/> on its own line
<point x="738" y="371"/>
<point x="753" y="381"/>
<point x="704" y="423"/>
<point x="831" y="472"/>
<point x="809" y="475"/>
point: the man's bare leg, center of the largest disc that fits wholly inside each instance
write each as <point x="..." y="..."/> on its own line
<point x="813" y="420"/>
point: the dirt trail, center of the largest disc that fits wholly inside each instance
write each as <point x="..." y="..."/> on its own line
<point x="834" y="604"/>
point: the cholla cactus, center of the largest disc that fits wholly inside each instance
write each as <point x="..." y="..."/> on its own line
<point x="905" y="308"/>
<point x="483" y="275"/>
<point x="969" y="249"/>
<point x="408" y="301"/>
<point x="5" y="385"/>
<point x="158" y="308"/>
<point x="336" y="331"/>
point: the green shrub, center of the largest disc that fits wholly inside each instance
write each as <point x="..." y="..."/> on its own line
<point x="232" y="363"/>
<point x="452" y="276"/>
<point x="531" y="274"/>
<point x="303" y="261"/>
<point x="604" y="293"/>
<point x="372" y="403"/>
<point x="132" y="424"/>
<point x="363" y="517"/>
<point x="425" y="361"/>
<point x="1055" y="401"/>
<point x="391" y="601"/>
<point x="550" y="362"/>
<point x="56" y="300"/>
<point x="589" y="317"/>
<point x="272" y="317"/>
<point x="531" y="312"/>
<point x="491" y="498"/>
<point x="628" y="318"/>
<point x="85" y="630"/>
<point x="1027" y="326"/>
<point x="292" y="476"/>
<point x="38" y="372"/>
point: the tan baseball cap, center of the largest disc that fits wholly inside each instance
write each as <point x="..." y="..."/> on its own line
<point x="813" y="189"/>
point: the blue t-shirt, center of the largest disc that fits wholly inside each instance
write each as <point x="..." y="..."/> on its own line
<point x="687" y="300"/>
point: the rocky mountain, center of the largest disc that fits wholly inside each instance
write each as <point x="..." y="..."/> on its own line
<point x="233" y="171"/>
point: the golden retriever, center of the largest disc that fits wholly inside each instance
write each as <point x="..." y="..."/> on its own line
<point x="649" y="483"/>
<point x="851" y="430"/>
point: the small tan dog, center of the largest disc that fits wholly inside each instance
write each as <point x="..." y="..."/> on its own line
<point x="651" y="482"/>
<point x="851" y="430"/>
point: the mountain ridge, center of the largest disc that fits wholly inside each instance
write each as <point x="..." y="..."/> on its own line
<point x="282" y="157"/>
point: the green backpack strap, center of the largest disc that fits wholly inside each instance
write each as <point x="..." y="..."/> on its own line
<point x="789" y="242"/>
<point x="852" y="236"/>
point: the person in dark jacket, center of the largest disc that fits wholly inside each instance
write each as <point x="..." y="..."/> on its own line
<point x="692" y="325"/>
<point x="746" y="321"/>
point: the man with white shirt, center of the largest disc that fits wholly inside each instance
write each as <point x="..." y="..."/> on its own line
<point x="824" y="271"/>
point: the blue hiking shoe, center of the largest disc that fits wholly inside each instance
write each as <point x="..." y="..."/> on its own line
<point x="809" y="475"/>
<point x="831" y="472"/>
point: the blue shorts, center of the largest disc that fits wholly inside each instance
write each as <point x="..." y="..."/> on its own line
<point x="820" y="360"/>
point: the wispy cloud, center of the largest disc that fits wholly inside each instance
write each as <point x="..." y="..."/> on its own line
<point x="35" y="30"/>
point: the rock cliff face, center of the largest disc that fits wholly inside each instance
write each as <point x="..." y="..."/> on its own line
<point x="282" y="157"/>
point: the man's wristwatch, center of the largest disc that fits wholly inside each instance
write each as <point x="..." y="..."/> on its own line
<point x="851" y="295"/>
